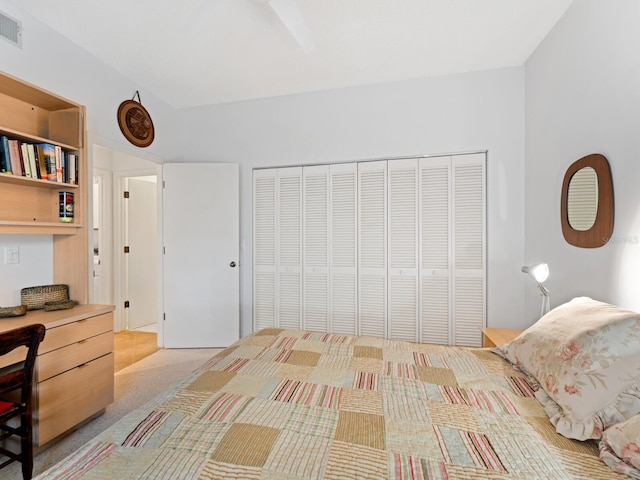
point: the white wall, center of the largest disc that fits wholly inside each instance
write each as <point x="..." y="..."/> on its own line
<point x="476" y="111"/>
<point x="52" y="62"/>
<point x="35" y="267"/>
<point x="582" y="97"/>
<point x="468" y="112"/>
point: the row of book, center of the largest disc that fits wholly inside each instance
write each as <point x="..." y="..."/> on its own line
<point x="38" y="160"/>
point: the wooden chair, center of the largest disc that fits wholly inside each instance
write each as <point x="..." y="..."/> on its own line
<point x="18" y="379"/>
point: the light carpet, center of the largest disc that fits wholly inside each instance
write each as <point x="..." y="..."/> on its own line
<point x="134" y="386"/>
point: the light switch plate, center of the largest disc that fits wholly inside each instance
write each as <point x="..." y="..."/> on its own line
<point x="11" y="255"/>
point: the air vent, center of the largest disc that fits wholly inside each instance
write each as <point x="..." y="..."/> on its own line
<point x="10" y="29"/>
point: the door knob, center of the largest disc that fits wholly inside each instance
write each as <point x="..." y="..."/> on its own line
<point x="232" y="264"/>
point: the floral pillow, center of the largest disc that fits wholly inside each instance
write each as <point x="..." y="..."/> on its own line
<point x="586" y="356"/>
<point x="620" y="447"/>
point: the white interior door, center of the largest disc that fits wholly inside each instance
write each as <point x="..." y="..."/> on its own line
<point x="142" y="265"/>
<point x="201" y="242"/>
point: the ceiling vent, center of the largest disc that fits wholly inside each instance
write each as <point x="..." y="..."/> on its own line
<point x="10" y="29"/>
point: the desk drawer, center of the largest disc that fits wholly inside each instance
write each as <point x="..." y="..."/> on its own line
<point x="67" y="399"/>
<point x="74" y="332"/>
<point x="66" y="358"/>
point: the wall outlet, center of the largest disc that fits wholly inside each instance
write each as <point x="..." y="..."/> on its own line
<point x="12" y="255"/>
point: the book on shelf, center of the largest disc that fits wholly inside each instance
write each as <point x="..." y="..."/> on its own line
<point x="16" y="157"/>
<point x="5" y="158"/>
<point x="58" y="155"/>
<point x="73" y="168"/>
<point x="32" y="161"/>
<point x="25" y="159"/>
<point x="47" y="151"/>
<point x="44" y="161"/>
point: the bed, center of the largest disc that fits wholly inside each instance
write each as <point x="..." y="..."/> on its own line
<point x="293" y="404"/>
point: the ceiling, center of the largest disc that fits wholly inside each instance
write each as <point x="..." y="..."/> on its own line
<point x="201" y="52"/>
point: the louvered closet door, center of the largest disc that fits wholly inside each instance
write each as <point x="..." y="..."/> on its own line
<point x="372" y="251"/>
<point x="315" y="240"/>
<point x="264" y="248"/>
<point x="469" y="271"/>
<point x="289" y="248"/>
<point x="343" y="248"/>
<point x="434" y="250"/>
<point x="403" y="249"/>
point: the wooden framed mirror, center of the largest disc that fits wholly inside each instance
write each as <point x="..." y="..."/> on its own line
<point x="586" y="206"/>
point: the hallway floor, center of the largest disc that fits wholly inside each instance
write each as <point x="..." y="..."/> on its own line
<point x="132" y="346"/>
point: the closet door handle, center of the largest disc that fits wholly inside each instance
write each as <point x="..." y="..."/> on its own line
<point x="232" y="264"/>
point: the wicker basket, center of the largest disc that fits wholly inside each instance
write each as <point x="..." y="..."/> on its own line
<point x="59" y="305"/>
<point x="34" y="298"/>
<point x="17" y="311"/>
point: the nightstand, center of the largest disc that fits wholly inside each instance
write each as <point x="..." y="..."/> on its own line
<point x="492" y="337"/>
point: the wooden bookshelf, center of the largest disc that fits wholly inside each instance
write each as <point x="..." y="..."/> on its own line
<point x="29" y="205"/>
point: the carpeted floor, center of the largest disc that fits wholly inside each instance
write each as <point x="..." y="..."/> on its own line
<point x="134" y="386"/>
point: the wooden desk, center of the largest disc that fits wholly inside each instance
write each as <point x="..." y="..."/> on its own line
<point x="492" y="337"/>
<point x="73" y="378"/>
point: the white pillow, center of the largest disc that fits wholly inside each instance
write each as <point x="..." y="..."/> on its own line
<point x="620" y="447"/>
<point x="586" y="356"/>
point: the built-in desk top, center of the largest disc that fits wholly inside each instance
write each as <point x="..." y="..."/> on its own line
<point x="55" y="318"/>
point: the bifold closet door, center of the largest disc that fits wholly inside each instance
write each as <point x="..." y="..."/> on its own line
<point x="315" y="248"/>
<point x="289" y="248"/>
<point x="402" y="237"/>
<point x="435" y="250"/>
<point x="372" y="248"/>
<point x="343" y="248"/>
<point x="264" y="248"/>
<point x="392" y="248"/>
<point x="277" y="254"/>
<point x="469" y="249"/>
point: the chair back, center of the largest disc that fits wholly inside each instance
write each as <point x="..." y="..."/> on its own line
<point x="28" y="336"/>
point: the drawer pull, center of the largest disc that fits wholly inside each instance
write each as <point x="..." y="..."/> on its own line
<point x="82" y="341"/>
<point x="83" y="365"/>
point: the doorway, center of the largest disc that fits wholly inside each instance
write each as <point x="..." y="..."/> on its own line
<point x="118" y="223"/>
<point x="140" y="247"/>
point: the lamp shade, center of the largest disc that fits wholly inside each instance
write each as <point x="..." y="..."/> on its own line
<point x="539" y="272"/>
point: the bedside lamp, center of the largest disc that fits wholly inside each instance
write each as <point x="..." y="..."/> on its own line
<point x="540" y="273"/>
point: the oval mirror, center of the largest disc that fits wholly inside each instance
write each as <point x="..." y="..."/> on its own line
<point x="586" y="207"/>
<point x="582" y="199"/>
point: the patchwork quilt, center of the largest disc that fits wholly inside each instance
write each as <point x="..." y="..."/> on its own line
<point x="290" y="404"/>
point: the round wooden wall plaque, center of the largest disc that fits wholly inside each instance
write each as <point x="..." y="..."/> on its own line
<point x="135" y="123"/>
